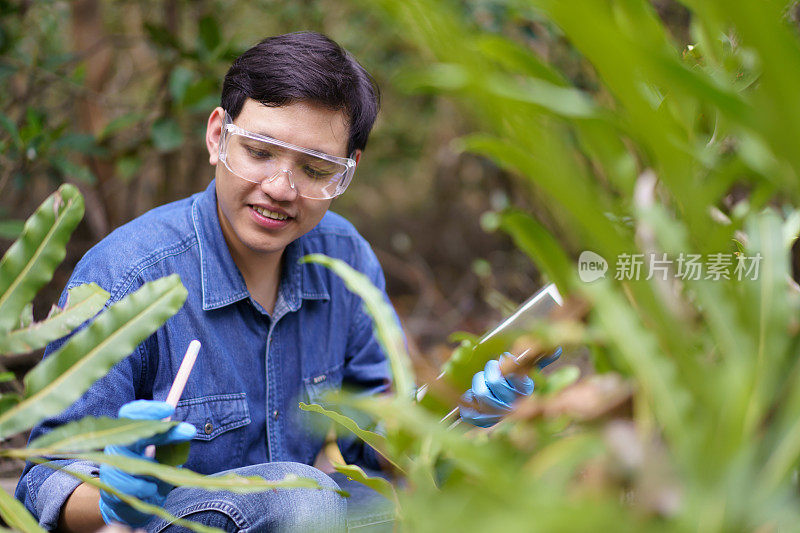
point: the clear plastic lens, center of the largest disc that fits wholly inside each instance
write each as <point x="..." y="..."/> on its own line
<point x="257" y="161"/>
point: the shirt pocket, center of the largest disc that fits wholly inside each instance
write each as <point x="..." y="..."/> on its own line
<point x="219" y="420"/>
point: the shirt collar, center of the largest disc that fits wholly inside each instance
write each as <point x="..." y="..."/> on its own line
<point x="223" y="284"/>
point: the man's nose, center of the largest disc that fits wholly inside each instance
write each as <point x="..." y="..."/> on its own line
<point x="280" y="186"/>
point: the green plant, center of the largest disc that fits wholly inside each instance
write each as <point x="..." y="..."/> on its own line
<point x="60" y="379"/>
<point x="671" y="149"/>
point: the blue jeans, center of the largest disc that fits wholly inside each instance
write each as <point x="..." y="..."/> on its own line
<point x="283" y="509"/>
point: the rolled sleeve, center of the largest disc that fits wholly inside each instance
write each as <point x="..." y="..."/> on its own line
<point x="45" y="488"/>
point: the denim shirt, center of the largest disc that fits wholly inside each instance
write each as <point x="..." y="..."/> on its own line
<point x="253" y="367"/>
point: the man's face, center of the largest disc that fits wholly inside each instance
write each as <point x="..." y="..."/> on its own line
<point x="264" y="218"/>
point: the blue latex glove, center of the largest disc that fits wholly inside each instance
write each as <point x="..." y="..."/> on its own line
<point x="492" y="394"/>
<point x="148" y="489"/>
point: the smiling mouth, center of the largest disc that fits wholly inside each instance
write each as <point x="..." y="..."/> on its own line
<point x="269" y="214"/>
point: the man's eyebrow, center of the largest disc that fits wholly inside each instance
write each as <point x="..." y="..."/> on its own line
<point x="268" y="136"/>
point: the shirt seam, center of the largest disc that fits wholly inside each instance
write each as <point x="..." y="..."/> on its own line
<point x="362" y="315"/>
<point x="145" y="370"/>
<point x="315" y="295"/>
<point x="213" y="398"/>
<point x="123" y="286"/>
<point x="236" y="424"/>
<point x="334" y="232"/>
<point x="216" y="304"/>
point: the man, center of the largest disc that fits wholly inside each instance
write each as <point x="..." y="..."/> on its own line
<point x="295" y="114"/>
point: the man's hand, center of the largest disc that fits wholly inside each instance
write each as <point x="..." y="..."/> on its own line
<point x="492" y="394"/>
<point x="145" y="488"/>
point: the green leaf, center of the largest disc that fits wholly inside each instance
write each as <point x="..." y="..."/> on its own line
<point x="127" y="167"/>
<point x="386" y="328"/>
<point x="461" y="355"/>
<point x="461" y="336"/>
<point x="92" y="433"/>
<point x="69" y="169"/>
<point x="378" y="484"/>
<point x="30" y="262"/>
<point x="120" y="123"/>
<point x="83" y="302"/>
<point x="561" y="378"/>
<point x="173" y="454"/>
<point x="5" y="377"/>
<point x="209" y="34"/>
<point x="82" y="143"/>
<point x="59" y="380"/>
<point x="186" y="478"/>
<point x="161" y="36"/>
<point x="134" y="502"/>
<point x="533" y="239"/>
<point x="166" y="135"/>
<point x="15" y="515"/>
<point x="202" y="94"/>
<point x="518" y="58"/>
<point x="563" y="101"/>
<point x="638" y="345"/>
<point x="375" y="440"/>
<point x="441" y="76"/>
<point x="179" y="80"/>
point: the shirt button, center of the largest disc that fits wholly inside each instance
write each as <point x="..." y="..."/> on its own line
<point x="209" y="428"/>
<point x="275" y="414"/>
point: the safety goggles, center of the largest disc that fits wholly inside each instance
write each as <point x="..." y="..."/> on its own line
<point x="258" y="158"/>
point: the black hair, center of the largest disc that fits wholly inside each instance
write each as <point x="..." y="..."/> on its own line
<point x="307" y="66"/>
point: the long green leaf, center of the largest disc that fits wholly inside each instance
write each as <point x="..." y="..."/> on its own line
<point x="656" y="374"/>
<point x="136" y="503"/>
<point x="231" y="483"/>
<point x="83" y="302"/>
<point x="173" y="454"/>
<point x="370" y="437"/>
<point x="55" y="383"/>
<point x="378" y="484"/>
<point x="533" y="239"/>
<point x="15" y="515"/>
<point x="566" y="101"/>
<point x="186" y="478"/>
<point x="386" y="328"/>
<point x="773" y="316"/>
<point x="93" y="433"/>
<point x="30" y="262"/>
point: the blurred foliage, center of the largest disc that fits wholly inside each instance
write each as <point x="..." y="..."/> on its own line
<point x="660" y="142"/>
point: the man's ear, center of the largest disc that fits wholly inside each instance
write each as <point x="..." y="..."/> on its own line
<point x="213" y="134"/>
<point x="356" y="156"/>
